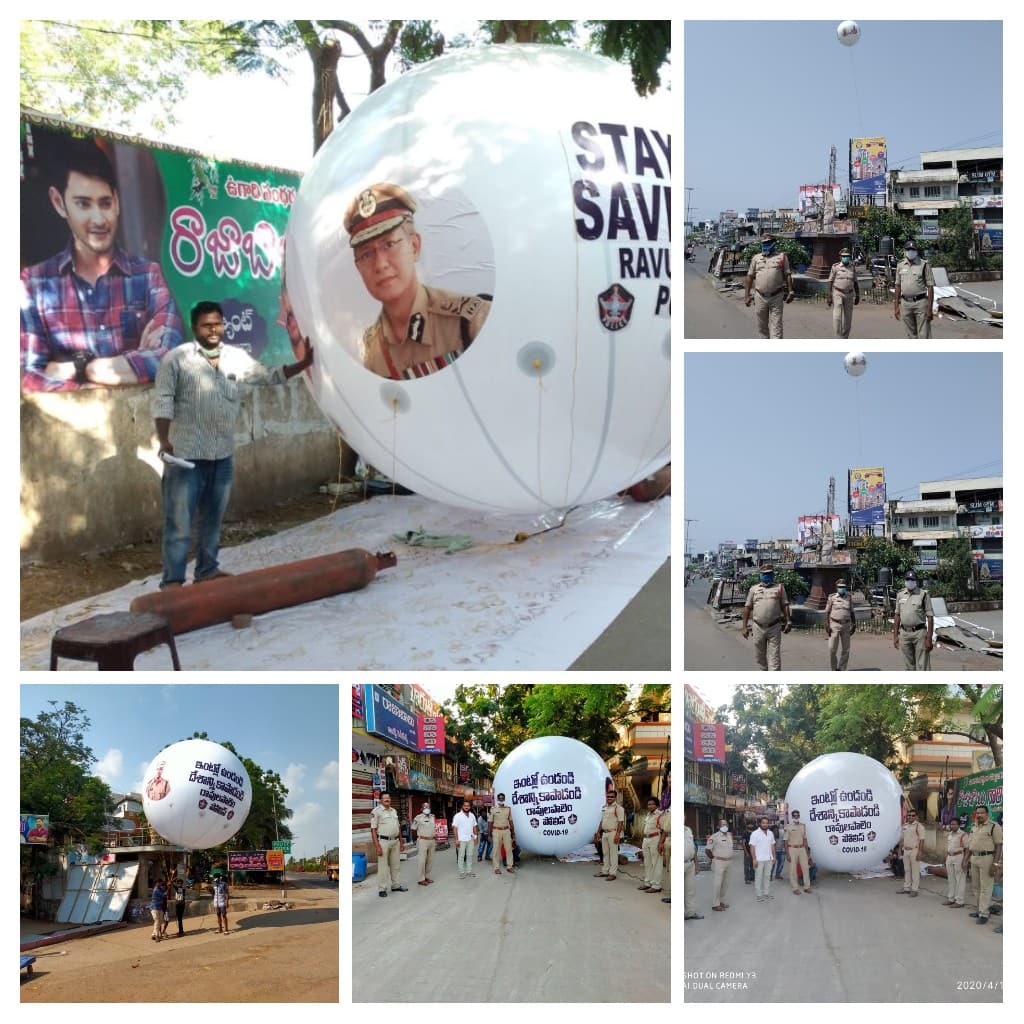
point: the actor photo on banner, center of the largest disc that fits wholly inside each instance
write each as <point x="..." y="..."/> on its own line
<point x="93" y="314"/>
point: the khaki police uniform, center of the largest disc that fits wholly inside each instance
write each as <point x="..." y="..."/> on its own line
<point x="720" y="848"/>
<point x="653" y="862"/>
<point x="385" y="823"/>
<point x="982" y="843"/>
<point x="839" y="616"/>
<point x="441" y="327"/>
<point x="426" y="840"/>
<point x="842" y="280"/>
<point x="769" y="273"/>
<point x="665" y="824"/>
<point x="765" y="604"/>
<point x="613" y="818"/>
<point x="797" y="853"/>
<point x="912" y="836"/>
<point x="914" y="280"/>
<point x="689" y="874"/>
<point x="914" y="610"/>
<point x="956" y="876"/>
<point x="500" y="820"/>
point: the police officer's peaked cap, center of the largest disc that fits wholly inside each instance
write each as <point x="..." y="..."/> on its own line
<point x="911" y="575"/>
<point x="910" y="244"/>
<point x="840" y="583"/>
<point x="376" y="210"/>
<point x="844" y="252"/>
<point x="766" y="237"/>
<point x="767" y="567"/>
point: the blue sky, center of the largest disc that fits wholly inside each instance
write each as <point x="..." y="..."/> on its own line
<point x="753" y="136"/>
<point x="291" y="729"/>
<point x="755" y="459"/>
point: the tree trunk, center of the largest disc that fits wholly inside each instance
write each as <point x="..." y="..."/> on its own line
<point x="325" y="89"/>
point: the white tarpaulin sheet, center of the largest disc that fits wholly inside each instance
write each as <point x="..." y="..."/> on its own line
<point x="96" y="892"/>
<point x="498" y="605"/>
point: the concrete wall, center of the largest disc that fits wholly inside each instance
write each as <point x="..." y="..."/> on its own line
<point x="90" y="478"/>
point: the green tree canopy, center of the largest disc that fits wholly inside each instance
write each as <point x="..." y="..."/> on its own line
<point x="783" y="728"/>
<point x="55" y="774"/>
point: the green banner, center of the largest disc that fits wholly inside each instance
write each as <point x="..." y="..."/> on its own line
<point x="120" y="237"/>
<point x="978" y="790"/>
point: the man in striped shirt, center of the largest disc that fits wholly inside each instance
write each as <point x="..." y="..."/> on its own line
<point x="92" y="315"/>
<point x="198" y="394"/>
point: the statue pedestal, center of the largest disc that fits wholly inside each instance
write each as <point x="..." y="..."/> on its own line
<point x="824" y="249"/>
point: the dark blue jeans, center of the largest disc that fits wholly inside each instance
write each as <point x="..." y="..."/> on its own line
<point x="194" y="497"/>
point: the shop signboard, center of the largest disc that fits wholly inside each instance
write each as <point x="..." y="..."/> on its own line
<point x="430" y="734"/>
<point x="387" y="718"/>
<point x="275" y="860"/>
<point x="248" y="860"/>
<point x="709" y="741"/>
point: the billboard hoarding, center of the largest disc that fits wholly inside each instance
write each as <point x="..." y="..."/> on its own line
<point x="709" y="742"/>
<point x="387" y="718"/>
<point x="868" y="164"/>
<point x="180" y="227"/>
<point x="812" y="197"/>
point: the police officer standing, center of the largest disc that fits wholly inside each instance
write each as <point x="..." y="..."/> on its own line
<point x="840" y="625"/>
<point x="426" y="840"/>
<point x="609" y="832"/>
<point x="665" y="847"/>
<point x="913" y="625"/>
<point x="692" y="869"/>
<point x="770" y="276"/>
<point x="500" y="820"/>
<point x="719" y="849"/>
<point x="768" y="605"/>
<point x="843" y="293"/>
<point x="387" y="841"/>
<point x="985" y="859"/>
<point x="956" y="864"/>
<point x="798" y="853"/>
<point x="915" y="290"/>
<point x="652" y="848"/>
<point x="911" y="849"/>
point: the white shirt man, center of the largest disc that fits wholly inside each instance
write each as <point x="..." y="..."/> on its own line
<point x="762" y="849"/>
<point x="466" y="835"/>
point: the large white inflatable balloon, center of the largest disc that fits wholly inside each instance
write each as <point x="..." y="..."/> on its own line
<point x="196" y="794"/>
<point x="850" y="804"/>
<point x="856" y="363"/>
<point x="503" y="341"/>
<point x="556" y="789"/>
<point x="848" y="33"/>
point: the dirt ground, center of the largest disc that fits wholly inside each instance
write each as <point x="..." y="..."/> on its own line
<point x="53" y="584"/>
<point x="283" y="956"/>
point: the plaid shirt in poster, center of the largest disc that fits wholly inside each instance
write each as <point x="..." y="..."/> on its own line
<point x="62" y="314"/>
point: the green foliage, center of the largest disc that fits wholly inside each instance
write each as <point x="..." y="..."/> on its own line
<point x="956" y="570"/>
<point x="881" y="223"/>
<point x="797" y="253"/>
<point x="494" y="720"/>
<point x="647" y="45"/>
<point x="878" y="553"/>
<point x="786" y="727"/>
<point x="954" y="248"/>
<point x="102" y="72"/>
<point x="583" y="712"/>
<point x="992" y="261"/>
<point x="55" y="779"/>
<point x="795" y="584"/>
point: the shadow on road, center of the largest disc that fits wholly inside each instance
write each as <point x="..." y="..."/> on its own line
<point x="283" y="918"/>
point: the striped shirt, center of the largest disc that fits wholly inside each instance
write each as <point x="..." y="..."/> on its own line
<point x="203" y="402"/>
<point x="62" y="314"/>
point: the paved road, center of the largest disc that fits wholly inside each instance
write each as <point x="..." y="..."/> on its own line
<point x="709" y="313"/>
<point x="851" y="941"/>
<point x="639" y="639"/>
<point x="551" y="932"/>
<point x="710" y="645"/>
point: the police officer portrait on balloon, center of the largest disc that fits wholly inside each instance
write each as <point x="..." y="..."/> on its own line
<point x="420" y="330"/>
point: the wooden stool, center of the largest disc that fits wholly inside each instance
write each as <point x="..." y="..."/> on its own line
<point x="113" y="641"/>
